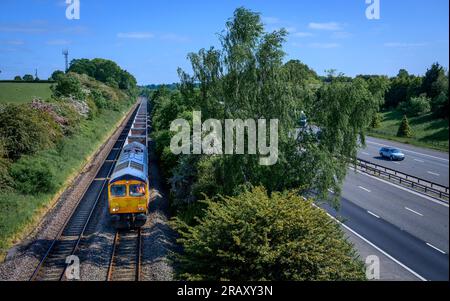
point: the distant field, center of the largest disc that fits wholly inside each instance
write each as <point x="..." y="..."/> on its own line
<point x="427" y="131"/>
<point x="23" y="92"/>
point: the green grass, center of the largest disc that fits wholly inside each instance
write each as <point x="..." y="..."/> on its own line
<point x="17" y="211"/>
<point x="427" y="131"/>
<point x="23" y="92"/>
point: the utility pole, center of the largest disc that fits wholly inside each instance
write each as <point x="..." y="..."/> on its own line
<point x="36" y="74"/>
<point x="66" y="57"/>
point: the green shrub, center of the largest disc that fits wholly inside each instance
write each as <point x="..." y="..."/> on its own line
<point x="25" y="130"/>
<point x="32" y="176"/>
<point x="68" y="86"/>
<point x="6" y="181"/>
<point x="376" y="121"/>
<point x="405" y="129"/>
<point x="416" y="106"/>
<point x="440" y="106"/>
<point x="257" y="237"/>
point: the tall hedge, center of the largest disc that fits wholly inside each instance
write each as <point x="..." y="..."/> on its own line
<point x="255" y="236"/>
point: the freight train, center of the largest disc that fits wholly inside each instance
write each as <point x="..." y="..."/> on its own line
<point x="128" y="186"/>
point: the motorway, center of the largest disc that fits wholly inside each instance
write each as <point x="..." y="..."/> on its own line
<point x="411" y="228"/>
<point x="423" y="163"/>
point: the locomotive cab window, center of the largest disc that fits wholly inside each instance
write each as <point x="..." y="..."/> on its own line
<point x="137" y="190"/>
<point x="118" y="190"/>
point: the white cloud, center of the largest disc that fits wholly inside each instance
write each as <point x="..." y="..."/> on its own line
<point x="404" y="45"/>
<point x="13" y="42"/>
<point x="302" y="34"/>
<point x="58" y="42"/>
<point x="341" y="35"/>
<point x="334" y="26"/>
<point x="135" y="35"/>
<point x="22" y="29"/>
<point x="324" y="45"/>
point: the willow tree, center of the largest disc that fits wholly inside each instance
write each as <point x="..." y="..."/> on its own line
<point x="247" y="79"/>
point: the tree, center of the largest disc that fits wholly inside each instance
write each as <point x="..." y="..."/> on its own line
<point x="247" y="79"/>
<point x="18" y="78"/>
<point x="431" y="85"/>
<point x="416" y="106"/>
<point x="56" y="75"/>
<point x="105" y="71"/>
<point x="404" y="129"/>
<point x="376" y="121"/>
<point x="257" y="237"/>
<point x="28" y="78"/>
<point x="402" y="88"/>
<point x="440" y="106"/>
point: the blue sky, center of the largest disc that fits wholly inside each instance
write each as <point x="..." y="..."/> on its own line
<point x="151" y="38"/>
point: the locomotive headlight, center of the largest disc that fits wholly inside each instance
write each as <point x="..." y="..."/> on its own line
<point x="115" y="209"/>
<point x="141" y="209"/>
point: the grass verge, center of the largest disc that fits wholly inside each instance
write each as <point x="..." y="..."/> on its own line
<point x="19" y="213"/>
<point x="427" y="131"/>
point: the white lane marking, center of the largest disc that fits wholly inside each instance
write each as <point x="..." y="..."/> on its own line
<point x="405" y="150"/>
<point x="433" y="173"/>
<point x="397" y="163"/>
<point x="409" y="209"/>
<point x="403" y="188"/>
<point x="371" y="213"/>
<point x="365" y="189"/>
<point x="376" y="247"/>
<point x="364" y="153"/>
<point x="437" y="249"/>
<point x="421" y="161"/>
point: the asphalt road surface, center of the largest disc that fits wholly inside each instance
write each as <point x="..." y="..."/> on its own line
<point x="419" y="162"/>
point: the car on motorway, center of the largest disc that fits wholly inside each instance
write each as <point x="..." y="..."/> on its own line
<point x="392" y="153"/>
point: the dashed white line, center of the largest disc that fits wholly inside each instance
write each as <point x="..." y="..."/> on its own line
<point x="378" y="248"/>
<point x="365" y="189"/>
<point x="415" y="212"/>
<point x="371" y="213"/>
<point x="421" y="161"/>
<point x="364" y="153"/>
<point x="442" y="203"/>
<point x="436" y="248"/>
<point x="433" y="173"/>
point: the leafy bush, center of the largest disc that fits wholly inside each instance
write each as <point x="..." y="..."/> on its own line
<point x="439" y="106"/>
<point x="405" y="129"/>
<point x="26" y="131"/>
<point x="32" y="176"/>
<point x="68" y="85"/>
<point x="416" y="106"/>
<point x="257" y="237"/>
<point x="5" y="179"/>
<point x="376" y="121"/>
<point x="56" y="75"/>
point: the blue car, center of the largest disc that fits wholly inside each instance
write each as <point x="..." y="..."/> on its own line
<point x="392" y="154"/>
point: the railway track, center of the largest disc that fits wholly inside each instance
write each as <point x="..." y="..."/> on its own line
<point x="125" y="262"/>
<point x="52" y="266"/>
